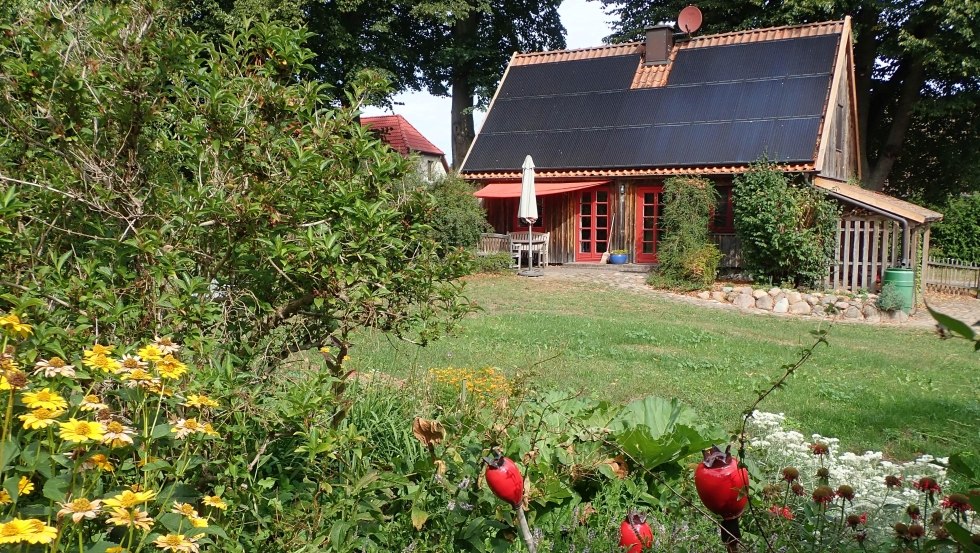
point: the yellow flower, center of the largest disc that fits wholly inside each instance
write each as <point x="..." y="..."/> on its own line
<point x="150" y="352"/>
<point x="80" y="508"/>
<point x="131" y="363"/>
<point x="28" y="531"/>
<point x="185" y="427"/>
<point x="166" y="345"/>
<point x="40" y="418"/>
<point x="98" y="349"/>
<point x="177" y="543"/>
<point x="116" y="549"/>
<point x="195" y="400"/>
<point x="326" y="349"/>
<point x="134" y="518"/>
<point x="214" y="501"/>
<point x="129" y="498"/>
<point x="25" y="486"/>
<point x="209" y="430"/>
<point x="171" y="368"/>
<point x="118" y="435"/>
<point x="345" y="359"/>
<point x="81" y="431"/>
<point x="12" y="323"/>
<point x="199" y="522"/>
<point x="104" y="363"/>
<point x="92" y="403"/>
<point x="53" y="367"/>
<point x="45" y="398"/>
<point x="135" y="376"/>
<point x="185" y="509"/>
<point x="99" y="461"/>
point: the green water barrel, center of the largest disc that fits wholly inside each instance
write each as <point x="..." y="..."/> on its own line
<point x="904" y="281"/>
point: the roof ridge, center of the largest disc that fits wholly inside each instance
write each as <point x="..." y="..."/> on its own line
<point x="622" y="45"/>
<point x="770" y="29"/>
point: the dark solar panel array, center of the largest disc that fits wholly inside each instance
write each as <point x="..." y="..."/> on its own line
<point x="722" y="105"/>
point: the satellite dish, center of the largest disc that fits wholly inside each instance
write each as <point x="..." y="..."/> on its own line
<point x="689" y="19"/>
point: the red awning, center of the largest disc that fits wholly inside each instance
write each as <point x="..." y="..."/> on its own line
<point x="513" y="189"/>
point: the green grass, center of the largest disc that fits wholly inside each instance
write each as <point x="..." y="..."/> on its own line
<point x="901" y="391"/>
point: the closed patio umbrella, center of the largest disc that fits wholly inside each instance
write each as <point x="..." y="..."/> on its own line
<point x="528" y="210"/>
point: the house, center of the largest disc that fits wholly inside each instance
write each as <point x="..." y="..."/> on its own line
<point x="607" y="125"/>
<point x="398" y="133"/>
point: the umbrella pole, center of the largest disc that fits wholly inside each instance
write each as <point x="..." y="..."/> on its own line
<point x="530" y="253"/>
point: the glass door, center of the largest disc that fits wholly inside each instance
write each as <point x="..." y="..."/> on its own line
<point x="592" y="227"/>
<point x="649" y="227"/>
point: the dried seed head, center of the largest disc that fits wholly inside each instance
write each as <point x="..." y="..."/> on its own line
<point x="893" y="481"/>
<point x="819" y="448"/>
<point x="853" y="521"/>
<point x="790" y="474"/>
<point x="823" y="494"/>
<point x="823" y="472"/>
<point x="901" y="529"/>
<point x="913" y="512"/>
<point x="771" y="492"/>
<point x="916" y="531"/>
<point x="845" y="492"/>
<point x="798" y="489"/>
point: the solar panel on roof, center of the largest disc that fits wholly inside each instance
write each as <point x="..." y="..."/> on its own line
<point x="722" y="105"/>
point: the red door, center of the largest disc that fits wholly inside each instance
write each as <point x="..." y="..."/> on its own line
<point x="592" y="227"/>
<point x="649" y="229"/>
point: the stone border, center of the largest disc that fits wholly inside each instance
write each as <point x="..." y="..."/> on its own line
<point x="840" y="305"/>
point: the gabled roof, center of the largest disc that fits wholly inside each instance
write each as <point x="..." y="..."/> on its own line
<point x="907" y="210"/>
<point x="720" y="103"/>
<point x="398" y="133"/>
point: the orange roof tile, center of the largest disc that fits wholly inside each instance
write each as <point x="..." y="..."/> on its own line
<point x="398" y="133"/>
<point x="651" y="172"/>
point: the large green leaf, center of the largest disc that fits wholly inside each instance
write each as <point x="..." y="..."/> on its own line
<point x="657" y="414"/>
<point x="954" y="325"/>
<point x="655" y="431"/>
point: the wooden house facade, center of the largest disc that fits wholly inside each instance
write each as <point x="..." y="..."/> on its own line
<point x="606" y="126"/>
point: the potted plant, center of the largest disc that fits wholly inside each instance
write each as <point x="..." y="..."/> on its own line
<point x="618" y="257"/>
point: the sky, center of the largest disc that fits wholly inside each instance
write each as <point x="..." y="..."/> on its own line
<point x="585" y="24"/>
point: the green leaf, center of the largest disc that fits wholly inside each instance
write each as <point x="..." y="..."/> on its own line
<point x="419" y="517"/>
<point x="966" y="464"/>
<point x="953" y="325"/>
<point x="56" y="489"/>
<point x="10" y="451"/>
<point x="962" y="536"/>
<point x="160" y="431"/>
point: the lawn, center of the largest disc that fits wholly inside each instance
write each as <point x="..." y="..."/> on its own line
<point x="901" y="391"/>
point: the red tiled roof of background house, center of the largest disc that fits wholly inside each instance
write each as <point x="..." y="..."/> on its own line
<point x="398" y="133"/>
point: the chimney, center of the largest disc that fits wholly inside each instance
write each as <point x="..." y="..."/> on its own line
<point x="660" y="38"/>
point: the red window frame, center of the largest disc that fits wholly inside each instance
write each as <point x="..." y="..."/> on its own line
<point x="596" y="212"/>
<point x="723" y="214"/>
<point x="648" y="223"/>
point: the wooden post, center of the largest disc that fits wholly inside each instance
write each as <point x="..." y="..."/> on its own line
<point x="925" y="260"/>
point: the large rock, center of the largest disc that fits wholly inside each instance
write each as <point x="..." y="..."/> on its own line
<point x="744" y="301"/>
<point x="829" y="299"/>
<point x="794" y="297"/>
<point x="811" y="299"/>
<point x="775" y="291"/>
<point x="743" y="290"/>
<point x="870" y="313"/>
<point x="764" y="302"/>
<point x="897" y="316"/>
<point x="727" y="289"/>
<point x="800" y="308"/>
<point x="852" y="313"/>
<point x="782" y="306"/>
<point x="718" y="296"/>
<point x="842" y="305"/>
<point x="758" y="294"/>
<point x="704" y="295"/>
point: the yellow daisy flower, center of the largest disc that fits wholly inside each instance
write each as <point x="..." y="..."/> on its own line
<point x="80" y="508"/>
<point x="185" y="509"/>
<point x="150" y="352"/>
<point x="118" y="435"/>
<point x="199" y="522"/>
<point x="92" y="402"/>
<point x="53" y="367"/>
<point x="214" y="501"/>
<point x="131" y="363"/>
<point x="5" y="498"/>
<point x="134" y="518"/>
<point x="177" y="543"/>
<point x="103" y="363"/>
<point x="195" y="400"/>
<point x="135" y="376"/>
<point x="98" y="461"/>
<point x="171" y="368"/>
<point x="129" y="498"/>
<point x="209" y="430"/>
<point x="45" y="398"/>
<point x="326" y="349"/>
<point x="77" y="431"/>
<point x="41" y="532"/>
<point x="15" y="531"/>
<point x="186" y="427"/>
<point x="98" y="349"/>
<point x="166" y="345"/>
<point x="40" y="418"/>
<point x="116" y="549"/>
<point x="12" y="323"/>
<point x="25" y="486"/>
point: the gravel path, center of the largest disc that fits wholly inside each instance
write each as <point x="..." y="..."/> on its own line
<point x="961" y="307"/>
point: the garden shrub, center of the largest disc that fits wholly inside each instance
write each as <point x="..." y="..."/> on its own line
<point x="889" y="299"/>
<point x="500" y="262"/>
<point x="458" y="218"/>
<point x="787" y="231"/>
<point x="958" y="234"/>
<point x="688" y="258"/>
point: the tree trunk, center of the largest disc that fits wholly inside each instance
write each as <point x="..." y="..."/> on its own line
<point x="464" y="36"/>
<point x="900" y="120"/>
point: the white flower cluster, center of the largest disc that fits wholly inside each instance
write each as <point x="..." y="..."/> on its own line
<point x="773" y="447"/>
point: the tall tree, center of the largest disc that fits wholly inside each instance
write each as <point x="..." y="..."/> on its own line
<point x="455" y="48"/>
<point x="904" y="52"/>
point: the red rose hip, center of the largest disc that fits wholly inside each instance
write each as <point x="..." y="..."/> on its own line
<point x="721" y="484"/>
<point x="504" y="479"/>
<point x="635" y="533"/>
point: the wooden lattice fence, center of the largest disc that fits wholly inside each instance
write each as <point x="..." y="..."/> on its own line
<point x="866" y="246"/>
<point x="952" y="276"/>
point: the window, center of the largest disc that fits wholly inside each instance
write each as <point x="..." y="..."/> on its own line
<point x="723" y="217"/>
<point x="519" y="225"/>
